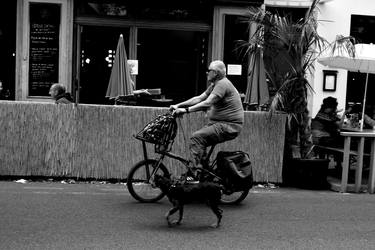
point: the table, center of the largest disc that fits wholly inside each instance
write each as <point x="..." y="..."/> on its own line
<point x="163" y="102"/>
<point x="361" y="134"/>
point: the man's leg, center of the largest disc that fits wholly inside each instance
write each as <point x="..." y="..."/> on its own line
<point x="210" y="135"/>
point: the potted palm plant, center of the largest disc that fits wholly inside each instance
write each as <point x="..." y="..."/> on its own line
<point x="291" y="48"/>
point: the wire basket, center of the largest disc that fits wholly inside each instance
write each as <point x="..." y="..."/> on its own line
<point x="161" y="131"/>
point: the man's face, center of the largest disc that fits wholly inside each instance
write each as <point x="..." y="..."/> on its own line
<point x="211" y="74"/>
<point x="53" y="92"/>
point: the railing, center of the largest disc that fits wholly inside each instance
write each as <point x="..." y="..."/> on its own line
<point x="95" y="141"/>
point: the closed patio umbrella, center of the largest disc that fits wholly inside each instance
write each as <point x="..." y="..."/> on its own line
<point x="120" y="84"/>
<point x="363" y="61"/>
<point x="257" y="87"/>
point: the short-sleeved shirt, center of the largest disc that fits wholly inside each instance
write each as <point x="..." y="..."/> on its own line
<point x="324" y="125"/>
<point x="229" y="106"/>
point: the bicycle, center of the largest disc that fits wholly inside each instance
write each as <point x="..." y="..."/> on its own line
<point x="139" y="181"/>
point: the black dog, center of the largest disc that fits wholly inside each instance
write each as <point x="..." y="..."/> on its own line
<point x="180" y="194"/>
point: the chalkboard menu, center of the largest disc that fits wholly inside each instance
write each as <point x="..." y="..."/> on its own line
<point x="44" y="47"/>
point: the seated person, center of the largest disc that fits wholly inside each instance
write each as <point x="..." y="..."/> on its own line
<point x="59" y="94"/>
<point x="369" y="123"/>
<point x="325" y="127"/>
<point x="356" y="110"/>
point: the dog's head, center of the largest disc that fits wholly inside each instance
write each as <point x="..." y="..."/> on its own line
<point x="161" y="181"/>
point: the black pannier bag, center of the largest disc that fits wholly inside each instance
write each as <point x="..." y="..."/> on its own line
<point x="235" y="168"/>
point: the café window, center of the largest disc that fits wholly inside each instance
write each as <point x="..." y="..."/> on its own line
<point x="43" y="48"/>
<point x="236" y="30"/>
<point x="170" y="49"/>
<point x="98" y="49"/>
<point x="174" y="61"/>
<point x="182" y="10"/>
<point x="7" y="49"/>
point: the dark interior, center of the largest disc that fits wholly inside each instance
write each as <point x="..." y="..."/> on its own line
<point x="7" y="49"/>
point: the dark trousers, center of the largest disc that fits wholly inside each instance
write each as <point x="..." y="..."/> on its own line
<point x="209" y="135"/>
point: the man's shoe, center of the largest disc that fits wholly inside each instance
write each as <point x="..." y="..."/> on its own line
<point x="189" y="177"/>
<point x="191" y="180"/>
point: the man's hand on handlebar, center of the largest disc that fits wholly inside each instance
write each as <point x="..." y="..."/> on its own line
<point x="173" y="107"/>
<point x="177" y="111"/>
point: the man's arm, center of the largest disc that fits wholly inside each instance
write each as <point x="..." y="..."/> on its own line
<point x="190" y="102"/>
<point x="369" y="121"/>
<point x="206" y="103"/>
<point x="211" y="99"/>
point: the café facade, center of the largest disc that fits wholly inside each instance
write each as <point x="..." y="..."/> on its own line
<point x="73" y="42"/>
<point x="171" y="43"/>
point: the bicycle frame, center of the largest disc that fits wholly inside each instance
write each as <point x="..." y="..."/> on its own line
<point x="139" y="185"/>
<point x="161" y="159"/>
<point x="205" y="161"/>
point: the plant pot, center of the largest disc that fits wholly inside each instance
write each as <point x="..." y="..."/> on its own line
<point x="306" y="173"/>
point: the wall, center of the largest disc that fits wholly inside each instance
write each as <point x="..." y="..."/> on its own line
<point x="93" y="141"/>
<point x="335" y="17"/>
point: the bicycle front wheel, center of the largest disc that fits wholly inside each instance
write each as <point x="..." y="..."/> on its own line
<point x="138" y="182"/>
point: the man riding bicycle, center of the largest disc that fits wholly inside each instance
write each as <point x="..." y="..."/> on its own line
<point x="224" y="109"/>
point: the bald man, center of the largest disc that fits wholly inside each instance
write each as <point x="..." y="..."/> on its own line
<point x="58" y="92"/>
<point x="224" y="109"/>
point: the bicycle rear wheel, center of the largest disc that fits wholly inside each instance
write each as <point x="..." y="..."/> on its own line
<point x="139" y="184"/>
<point x="231" y="197"/>
<point x="235" y="197"/>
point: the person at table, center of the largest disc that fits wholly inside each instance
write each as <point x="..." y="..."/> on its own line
<point x="369" y="123"/>
<point x="325" y="127"/>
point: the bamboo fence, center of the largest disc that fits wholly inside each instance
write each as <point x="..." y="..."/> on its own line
<point x="96" y="141"/>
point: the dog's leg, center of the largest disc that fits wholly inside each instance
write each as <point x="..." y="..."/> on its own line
<point x="170" y="212"/>
<point x="181" y="214"/>
<point x="217" y="211"/>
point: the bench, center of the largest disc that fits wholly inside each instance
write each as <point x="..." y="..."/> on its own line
<point x="327" y="150"/>
<point x="323" y="152"/>
<point x="335" y="150"/>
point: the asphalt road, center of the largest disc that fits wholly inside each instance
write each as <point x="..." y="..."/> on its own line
<point x="40" y="215"/>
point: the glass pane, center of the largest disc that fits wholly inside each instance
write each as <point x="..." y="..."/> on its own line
<point x="43" y="48"/>
<point x="236" y="29"/>
<point x="182" y="10"/>
<point x="174" y="61"/>
<point x="98" y="48"/>
<point x="7" y="48"/>
<point x="360" y="25"/>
